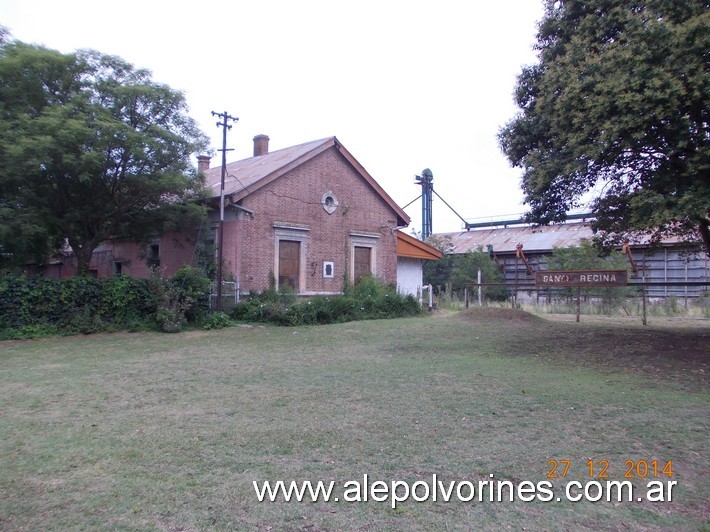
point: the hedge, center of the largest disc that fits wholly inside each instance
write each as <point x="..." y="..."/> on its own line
<point x="40" y="306"/>
<point x="368" y="299"/>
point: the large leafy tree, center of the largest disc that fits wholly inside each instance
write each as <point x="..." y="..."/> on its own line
<point x="617" y="106"/>
<point x="90" y="148"/>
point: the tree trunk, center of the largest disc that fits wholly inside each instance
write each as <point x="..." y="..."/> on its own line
<point x="83" y="256"/>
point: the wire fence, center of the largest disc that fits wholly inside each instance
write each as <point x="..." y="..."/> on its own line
<point x="634" y="299"/>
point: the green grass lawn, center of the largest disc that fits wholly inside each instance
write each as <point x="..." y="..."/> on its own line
<point x="168" y="432"/>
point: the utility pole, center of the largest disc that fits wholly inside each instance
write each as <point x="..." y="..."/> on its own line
<point x="224" y="124"/>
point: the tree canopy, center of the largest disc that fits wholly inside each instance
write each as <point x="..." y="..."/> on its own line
<point x="456" y="271"/>
<point x="617" y="106"/>
<point x="90" y="148"/>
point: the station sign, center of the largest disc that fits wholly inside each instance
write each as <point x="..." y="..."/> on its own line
<point x="583" y="278"/>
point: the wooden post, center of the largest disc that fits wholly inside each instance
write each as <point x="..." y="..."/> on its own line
<point x="480" y="289"/>
<point x="579" y="301"/>
<point x="220" y="231"/>
<point x="643" y="304"/>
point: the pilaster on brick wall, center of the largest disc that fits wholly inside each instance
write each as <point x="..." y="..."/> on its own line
<point x="296" y="198"/>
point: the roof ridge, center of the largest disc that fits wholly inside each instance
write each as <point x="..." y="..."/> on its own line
<point x="213" y="174"/>
<point x="316" y="142"/>
<point x="248" y="175"/>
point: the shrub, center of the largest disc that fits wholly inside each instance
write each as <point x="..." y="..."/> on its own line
<point x="41" y="306"/>
<point x="27" y="332"/>
<point x="171" y="319"/>
<point x="216" y="320"/>
<point x="368" y="299"/>
<point x="125" y="300"/>
<point x="192" y="291"/>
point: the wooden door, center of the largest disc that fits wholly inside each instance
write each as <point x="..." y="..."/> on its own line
<point x="362" y="263"/>
<point x="289" y="261"/>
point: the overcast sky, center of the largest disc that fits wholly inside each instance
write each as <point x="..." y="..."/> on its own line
<point x="404" y="85"/>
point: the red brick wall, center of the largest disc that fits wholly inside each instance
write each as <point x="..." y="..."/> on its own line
<point x="132" y="256"/>
<point x="295" y="198"/>
<point x="231" y="256"/>
<point x="176" y="249"/>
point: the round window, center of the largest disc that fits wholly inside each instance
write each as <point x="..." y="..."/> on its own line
<point x="329" y="202"/>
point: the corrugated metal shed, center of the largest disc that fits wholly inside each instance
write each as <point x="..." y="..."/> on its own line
<point x="669" y="263"/>
<point x="533" y="239"/>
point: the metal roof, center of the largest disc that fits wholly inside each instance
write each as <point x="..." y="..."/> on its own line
<point x="541" y="238"/>
<point x="410" y="247"/>
<point x="242" y="175"/>
<point x="535" y="238"/>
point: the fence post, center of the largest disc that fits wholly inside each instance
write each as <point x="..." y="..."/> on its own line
<point x="643" y="304"/>
<point x="465" y="296"/>
<point x="480" y="290"/>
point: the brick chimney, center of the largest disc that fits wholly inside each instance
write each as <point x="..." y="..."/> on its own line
<point x="203" y="163"/>
<point x="261" y="145"/>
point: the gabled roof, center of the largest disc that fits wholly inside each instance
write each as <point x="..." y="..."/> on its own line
<point x="249" y="175"/>
<point x="411" y="248"/>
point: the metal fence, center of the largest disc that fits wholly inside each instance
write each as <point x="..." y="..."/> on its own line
<point x="665" y="273"/>
<point x="636" y="298"/>
<point x="230" y="295"/>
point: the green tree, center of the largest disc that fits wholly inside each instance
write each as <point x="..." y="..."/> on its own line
<point x="617" y="105"/>
<point x="459" y="270"/>
<point x="90" y="148"/>
<point x="586" y="256"/>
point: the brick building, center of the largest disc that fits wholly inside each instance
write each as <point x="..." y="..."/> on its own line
<point x="309" y="216"/>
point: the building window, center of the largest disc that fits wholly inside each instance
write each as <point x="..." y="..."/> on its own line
<point x="289" y="262"/>
<point x="329" y="202"/>
<point x="117" y="267"/>
<point x="153" y="256"/>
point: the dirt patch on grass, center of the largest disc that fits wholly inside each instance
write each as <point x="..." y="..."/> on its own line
<point x="666" y="352"/>
<point x="494" y="314"/>
<point x="675" y="322"/>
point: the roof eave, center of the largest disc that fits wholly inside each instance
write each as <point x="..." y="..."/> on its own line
<point x="424" y="250"/>
<point x="403" y="218"/>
